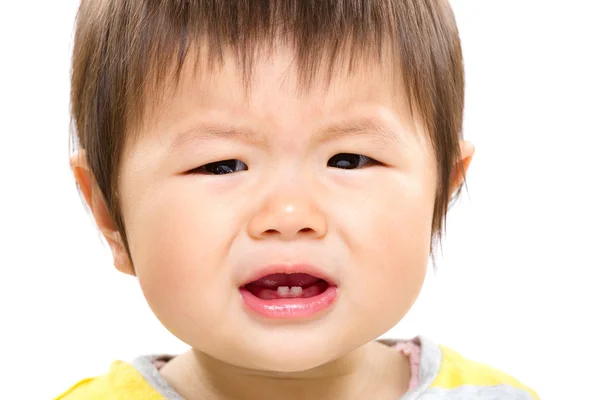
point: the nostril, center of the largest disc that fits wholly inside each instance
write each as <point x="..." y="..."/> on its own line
<point x="305" y="230"/>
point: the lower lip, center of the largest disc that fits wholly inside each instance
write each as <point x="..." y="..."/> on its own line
<point x="292" y="308"/>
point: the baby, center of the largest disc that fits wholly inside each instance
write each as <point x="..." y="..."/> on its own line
<point x="276" y="174"/>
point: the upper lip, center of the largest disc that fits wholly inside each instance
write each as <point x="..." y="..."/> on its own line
<point x="288" y="269"/>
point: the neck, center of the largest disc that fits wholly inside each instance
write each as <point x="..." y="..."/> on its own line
<point x="371" y="371"/>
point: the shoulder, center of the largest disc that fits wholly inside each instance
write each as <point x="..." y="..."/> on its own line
<point x="461" y="378"/>
<point x="121" y="382"/>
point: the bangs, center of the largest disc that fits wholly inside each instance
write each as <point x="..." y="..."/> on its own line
<point x="146" y="43"/>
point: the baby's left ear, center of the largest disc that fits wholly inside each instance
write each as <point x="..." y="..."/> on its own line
<point x="462" y="165"/>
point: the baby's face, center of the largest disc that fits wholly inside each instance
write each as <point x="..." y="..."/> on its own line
<point x="216" y="191"/>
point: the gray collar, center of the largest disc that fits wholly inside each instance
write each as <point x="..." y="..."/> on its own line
<point x="431" y="358"/>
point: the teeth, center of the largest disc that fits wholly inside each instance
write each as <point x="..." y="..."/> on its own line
<point x="286" y="291"/>
<point x="283" y="290"/>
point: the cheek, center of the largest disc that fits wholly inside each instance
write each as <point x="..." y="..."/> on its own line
<point x="394" y="217"/>
<point x="392" y="239"/>
<point x="179" y="246"/>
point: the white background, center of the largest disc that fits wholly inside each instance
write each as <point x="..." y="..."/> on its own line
<point x="517" y="286"/>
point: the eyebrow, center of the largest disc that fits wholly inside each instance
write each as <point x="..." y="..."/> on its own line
<point x="209" y="131"/>
<point x="371" y="127"/>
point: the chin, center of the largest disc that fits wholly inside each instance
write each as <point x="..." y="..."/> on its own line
<point x="290" y="354"/>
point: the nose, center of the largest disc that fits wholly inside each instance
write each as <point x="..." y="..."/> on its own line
<point x="288" y="215"/>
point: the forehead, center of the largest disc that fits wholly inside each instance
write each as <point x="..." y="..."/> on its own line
<point x="275" y="97"/>
<point x="276" y="88"/>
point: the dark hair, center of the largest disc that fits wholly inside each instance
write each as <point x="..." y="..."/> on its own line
<point x="127" y="52"/>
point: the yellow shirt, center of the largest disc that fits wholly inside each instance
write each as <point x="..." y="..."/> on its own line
<point x="442" y="374"/>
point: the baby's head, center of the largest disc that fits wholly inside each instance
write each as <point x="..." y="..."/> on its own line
<point x="221" y="141"/>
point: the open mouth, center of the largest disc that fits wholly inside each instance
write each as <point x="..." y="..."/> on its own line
<point x="289" y="295"/>
<point x="285" y="286"/>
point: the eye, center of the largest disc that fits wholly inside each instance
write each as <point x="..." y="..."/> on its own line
<point x="221" y="168"/>
<point x="350" y="161"/>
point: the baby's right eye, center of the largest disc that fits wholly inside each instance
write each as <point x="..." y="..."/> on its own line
<point x="220" y="167"/>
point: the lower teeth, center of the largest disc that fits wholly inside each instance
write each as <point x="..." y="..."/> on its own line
<point x="285" y="291"/>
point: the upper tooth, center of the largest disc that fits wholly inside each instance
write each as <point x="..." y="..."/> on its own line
<point x="296" y="290"/>
<point x="283" y="290"/>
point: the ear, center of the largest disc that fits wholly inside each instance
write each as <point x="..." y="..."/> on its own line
<point x="95" y="201"/>
<point x="462" y="165"/>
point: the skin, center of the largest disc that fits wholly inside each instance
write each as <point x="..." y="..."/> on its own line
<point x="195" y="237"/>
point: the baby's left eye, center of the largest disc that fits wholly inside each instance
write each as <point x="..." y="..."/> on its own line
<point x="350" y="161"/>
